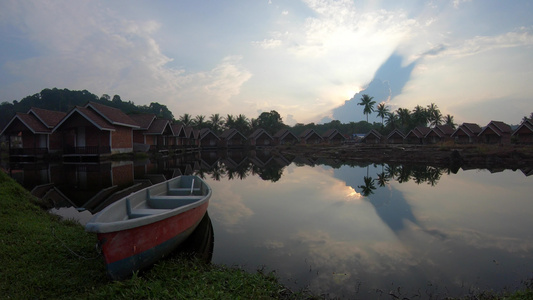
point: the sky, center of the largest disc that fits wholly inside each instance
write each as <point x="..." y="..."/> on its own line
<point x="301" y="58"/>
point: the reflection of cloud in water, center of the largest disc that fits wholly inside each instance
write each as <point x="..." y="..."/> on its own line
<point x="228" y="207"/>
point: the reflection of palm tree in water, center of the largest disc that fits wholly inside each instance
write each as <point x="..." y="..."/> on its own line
<point x="394" y="213"/>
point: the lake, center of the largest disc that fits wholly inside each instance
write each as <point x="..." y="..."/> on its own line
<point x="350" y="231"/>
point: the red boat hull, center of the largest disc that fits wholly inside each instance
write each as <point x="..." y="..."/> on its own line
<point x="133" y="249"/>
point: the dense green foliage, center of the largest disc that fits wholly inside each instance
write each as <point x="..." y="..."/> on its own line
<point x="64" y="100"/>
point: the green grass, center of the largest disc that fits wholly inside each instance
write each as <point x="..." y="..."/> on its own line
<point x="43" y="257"/>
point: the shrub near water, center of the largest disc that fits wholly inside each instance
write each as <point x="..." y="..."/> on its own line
<point x="42" y="256"/>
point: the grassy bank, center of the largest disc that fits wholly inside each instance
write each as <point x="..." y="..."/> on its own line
<point x="42" y="256"/>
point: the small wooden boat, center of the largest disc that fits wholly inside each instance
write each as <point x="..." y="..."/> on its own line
<point x="139" y="229"/>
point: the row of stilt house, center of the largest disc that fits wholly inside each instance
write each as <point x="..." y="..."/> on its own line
<point x="495" y="132"/>
<point x="97" y="130"/>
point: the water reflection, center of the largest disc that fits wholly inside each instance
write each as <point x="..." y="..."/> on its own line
<point x="348" y="230"/>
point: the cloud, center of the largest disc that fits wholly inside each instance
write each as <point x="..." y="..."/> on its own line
<point x="103" y="52"/>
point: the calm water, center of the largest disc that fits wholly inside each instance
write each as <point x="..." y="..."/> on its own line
<point x="345" y="231"/>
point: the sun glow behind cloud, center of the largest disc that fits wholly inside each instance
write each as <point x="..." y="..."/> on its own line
<point x="301" y="58"/>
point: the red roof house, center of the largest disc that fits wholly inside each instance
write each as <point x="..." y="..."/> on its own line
<point x="333" y="136"/>
<point x="310" y="137"/>
<point x="284" y="137"/>
<point x="95" y="130"/>
<point x="524" y="133"/>
<point x="439" y="133"/>
<point x="232" y="138"/>
<point x="372" y="137"/>
<point x="496" y="132"/>
<point x="395" y="137"/>
<point x="417" y="135"/>
<point x="31" y="134"/>
<point x="260" y="138"/>
<point x="466" y="133"/>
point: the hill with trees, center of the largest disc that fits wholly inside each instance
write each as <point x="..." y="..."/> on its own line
<point x="64" y="100"/>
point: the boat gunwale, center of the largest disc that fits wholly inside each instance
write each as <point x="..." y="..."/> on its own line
<point x="94" y="225"/>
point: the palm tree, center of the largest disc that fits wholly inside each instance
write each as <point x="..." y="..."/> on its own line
<point x="369" y="187"/>
<point x="392" y="120"/>
<point x="420" y="116"/>
<point x="216" y="122"/>
<point x="186" y="120"/>
<point x="382" y="110"/>
<point x="242" y="124"/>
<point x="404" y="117"/>
<point x="368" y="105"/>
<point x="199" y="121"/>
<point x="448" y="120"/>
<point x="435" y="116"/>
<point x="230" y="121"/>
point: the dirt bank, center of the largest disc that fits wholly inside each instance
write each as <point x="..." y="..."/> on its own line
<point x="475" y="156"/>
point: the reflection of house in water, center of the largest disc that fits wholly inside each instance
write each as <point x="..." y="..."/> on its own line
<point x="233" y="159"/>
<point x="79" y="185"/>
<point x="260" y="158"/>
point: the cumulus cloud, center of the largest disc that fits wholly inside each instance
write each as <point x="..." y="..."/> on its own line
<point x="104" y="52"/>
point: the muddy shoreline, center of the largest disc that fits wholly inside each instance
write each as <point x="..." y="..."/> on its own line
<point x="457" y="156"/>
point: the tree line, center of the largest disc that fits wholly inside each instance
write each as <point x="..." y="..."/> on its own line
<point x="402" y="118"/>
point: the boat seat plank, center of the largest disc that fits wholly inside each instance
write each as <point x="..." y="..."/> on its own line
<point x="171" y="202"/>
<point x="141" y="212"/>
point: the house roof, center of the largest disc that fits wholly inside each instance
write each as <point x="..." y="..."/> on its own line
<point x="29" y="121"/>
<point x="258" y="132"/>
<point x="113" y="115"/>
<point x="470" y="129"/>
<point x="445" y="129"/>
<point x="90" y="115"/>
<point x="178" y="129"/>
<point x="205" y="132"/>
<point x="499" y="128"/>
<point x="158" y="127"/>
<point x="527" y="123"/>
<point x="143" y="120"/>
<point x="331" y="134"/>
<point x="49" y="118"/>
<point x="230" y="133"/>
<point x="396" y="132"/>
<point x="374" y="133"/>
<point x="502" y="127"/>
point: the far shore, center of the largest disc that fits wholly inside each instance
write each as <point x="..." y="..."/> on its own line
<point x="445" y="155"/>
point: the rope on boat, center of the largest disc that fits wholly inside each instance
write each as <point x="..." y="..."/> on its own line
<point x="72" y="251"/>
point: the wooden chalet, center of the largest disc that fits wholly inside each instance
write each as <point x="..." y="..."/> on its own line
<point x="159" y="134"/>
<point x="139" y="138"/>
<point x="524" y="133"/>
<point x="334" y="137"/>
<point x="30" y="135"/>
<point x="95" y="130"/>
<point x="208" y="139"/>
<point x="495" y="132"/>
<point x="372" y="137"/>
<point x="417" y="135"/>
<point x="232" y="138"/>
<point x="285" y="137"/>
<point x="395" y="137"/>
<point x="439" y="133"/>
<point x="179" y="138"/>
<point x="466" y="133"/>
<point x="260" y="138"/>
<point x="309" y="136"/>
